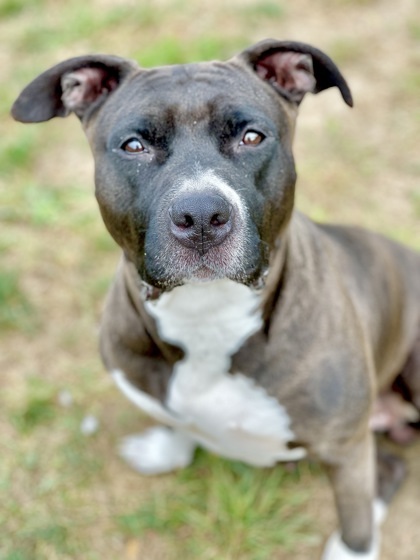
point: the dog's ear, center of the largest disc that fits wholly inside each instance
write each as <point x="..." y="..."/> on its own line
<point x="295" y="69"/>
<point x="75" y="85"/>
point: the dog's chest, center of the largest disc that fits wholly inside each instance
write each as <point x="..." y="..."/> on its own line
<point x="228" y="413"/>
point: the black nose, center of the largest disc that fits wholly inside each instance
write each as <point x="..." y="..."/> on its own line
<point x="200" y="220"/>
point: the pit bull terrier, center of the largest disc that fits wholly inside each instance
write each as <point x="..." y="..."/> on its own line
<point x="235" y="321"/>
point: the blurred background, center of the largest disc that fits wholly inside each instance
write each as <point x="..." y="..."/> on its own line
<point x="64" y="493"/>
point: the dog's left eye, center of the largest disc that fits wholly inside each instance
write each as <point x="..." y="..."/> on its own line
<point x="251" y="138"/>
<point x="133" y="146"/>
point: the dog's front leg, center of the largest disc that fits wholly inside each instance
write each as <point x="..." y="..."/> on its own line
<point x="354" y="482"/>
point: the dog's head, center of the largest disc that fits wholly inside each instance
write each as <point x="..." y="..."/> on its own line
<point x="194" y="170"/>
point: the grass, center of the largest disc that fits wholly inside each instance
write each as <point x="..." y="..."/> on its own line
<point x="83" y="20"/>
<point x="226" y="510"/>
<point x="416" y="202"/>
<point x="19" y="153"/>
<point x="11" y="8"/>
<point x="261" y="10"/>
<point x="176" y="50"/>
<point x="65" y="495"/>
<point x="38" y="408"/>
<point x="347" y="51"/>
<point x="16" y="311"/>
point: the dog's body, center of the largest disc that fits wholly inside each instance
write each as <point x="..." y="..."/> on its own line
<point x="237" y="322"/>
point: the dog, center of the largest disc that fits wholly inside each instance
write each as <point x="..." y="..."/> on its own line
<point x="235" y="321"/>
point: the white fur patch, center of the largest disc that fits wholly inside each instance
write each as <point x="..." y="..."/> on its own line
<point x="227" y="414"/>
<point x="158" y="450"/>
<point x="380" y="511"/>
<point x="336" y="550"/>
<point x="145" y="402"/>
<point x="201" y="182"/>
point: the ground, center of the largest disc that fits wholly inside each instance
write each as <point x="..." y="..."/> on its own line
<point x="64" y="493"/>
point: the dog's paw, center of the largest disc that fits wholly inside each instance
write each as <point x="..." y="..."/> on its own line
<point x="335" y="549"/>
<point x="158" y="450"/>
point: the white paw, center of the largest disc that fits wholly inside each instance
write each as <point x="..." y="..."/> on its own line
<point x="380" y="510"/>
<point x="335" y="549"/>
<point x="158" y="450"/>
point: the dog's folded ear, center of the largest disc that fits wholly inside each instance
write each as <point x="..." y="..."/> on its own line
<point x="75" y="85"/>
<point x="295" y="69"/>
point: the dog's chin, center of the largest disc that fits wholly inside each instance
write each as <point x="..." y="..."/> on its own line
<point x="204" y="274"/>
<point x="176" y="265"/>
<point x="171" y="279"/>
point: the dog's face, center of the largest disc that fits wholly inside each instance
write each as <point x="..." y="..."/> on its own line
<point x="194" y="170"/>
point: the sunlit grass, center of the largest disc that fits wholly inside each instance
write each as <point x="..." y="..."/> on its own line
<point x="177" y="50"/>
<point x="16" y="310"/>
<point x="226" y="510"/>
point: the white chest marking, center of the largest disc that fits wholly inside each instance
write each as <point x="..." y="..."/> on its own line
<point x="228" y="414"/>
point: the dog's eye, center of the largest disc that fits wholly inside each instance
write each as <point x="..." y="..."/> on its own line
<point x="251" y="138"/>
<point x="133" y="146"/>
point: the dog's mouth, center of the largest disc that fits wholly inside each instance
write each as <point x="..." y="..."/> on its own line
<point x="208" y="271"/>
<point x="186" y="267"/>
<point x="203" y="273"/>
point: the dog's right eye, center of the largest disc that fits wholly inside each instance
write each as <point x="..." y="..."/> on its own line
<point x="133" y="146"/>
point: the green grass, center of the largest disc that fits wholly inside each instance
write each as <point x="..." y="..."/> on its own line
<point x="410" y="83"/>
<point x="265" y="9"/>
<point x="416" y="202"/>
<point x="52" y="479"/>
<point x="38" y="407"/>
<point x="83" y="20"/>
<point x="10" y="8"/>
<point x="414" y="28"/>
<point x="44" y="205"/>
<point x="347" y="51"/>
<point x="47" y="205"/>
<point x="16" y="311"/>
<point x="18" y="152"/>
<point x="226" y="510"/>
<point x="176" y="50"/>
<point x="38" y="410"/>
